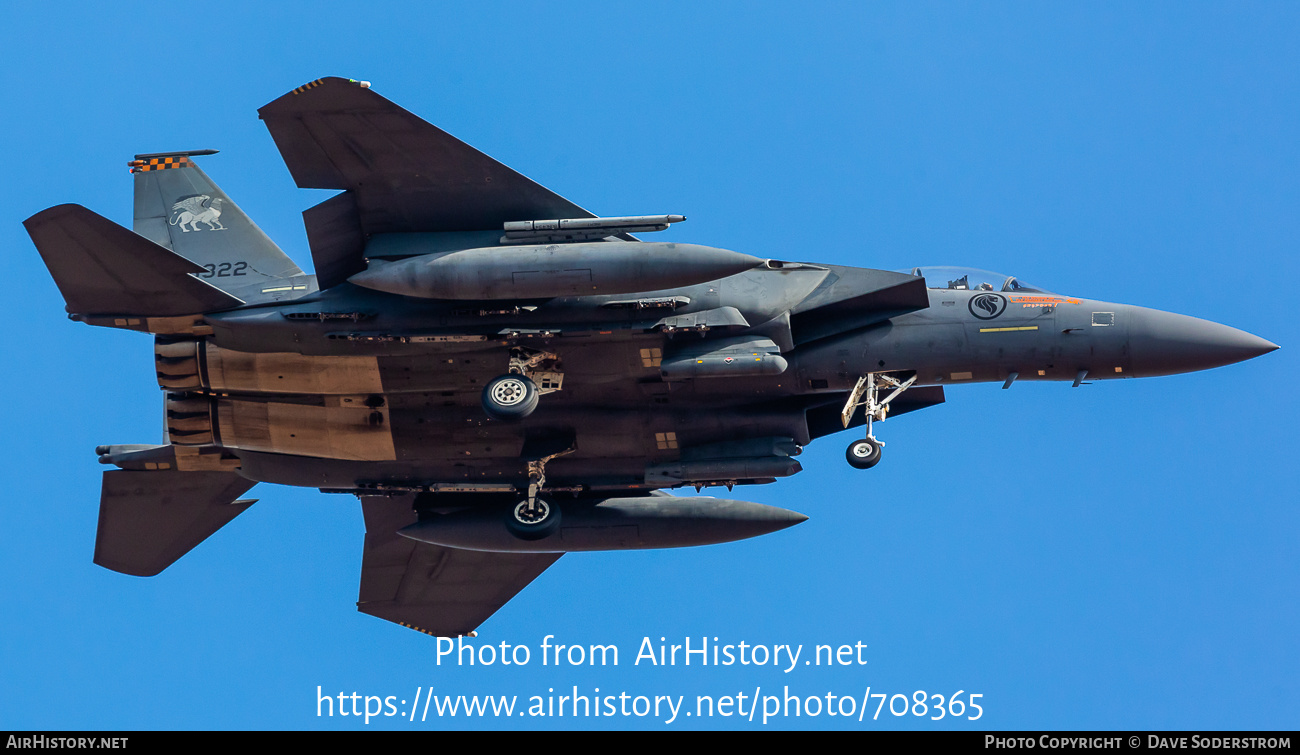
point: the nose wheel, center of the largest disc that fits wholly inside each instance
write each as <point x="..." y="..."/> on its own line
<point x="863" y="454"/>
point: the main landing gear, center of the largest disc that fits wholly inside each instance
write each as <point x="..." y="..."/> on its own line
<point x="534" y="518"/>
<point x="510" y="397"/>
<point x="513" y="396"/>
<point x="533" y="522"/>
<point x="865" y="453"/>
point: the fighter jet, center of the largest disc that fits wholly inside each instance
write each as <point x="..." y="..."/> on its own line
<point x="502" y="377"/>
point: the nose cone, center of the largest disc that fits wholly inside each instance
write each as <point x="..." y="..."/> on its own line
<point x="1163" y="343"/>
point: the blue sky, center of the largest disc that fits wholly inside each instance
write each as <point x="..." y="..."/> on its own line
<point x="1118" y="556"/>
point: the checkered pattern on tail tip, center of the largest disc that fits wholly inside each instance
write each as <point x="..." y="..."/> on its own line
<point x="158" y="163"/>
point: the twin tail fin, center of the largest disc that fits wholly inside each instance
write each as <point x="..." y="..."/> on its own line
<point x="193" y="251"/>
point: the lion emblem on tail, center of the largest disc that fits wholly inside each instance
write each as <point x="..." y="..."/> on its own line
<point x="200" y="208"/>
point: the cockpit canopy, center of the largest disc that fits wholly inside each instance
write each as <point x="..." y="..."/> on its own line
<point x="971" y="279"/>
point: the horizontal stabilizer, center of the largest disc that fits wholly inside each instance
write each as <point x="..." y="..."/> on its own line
<point x="102" y="268"/>
<point x="432" y="588"/>
<point x="148" y="520"/>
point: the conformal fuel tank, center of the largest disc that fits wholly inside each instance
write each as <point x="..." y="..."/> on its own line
<point x="545" y="271"/>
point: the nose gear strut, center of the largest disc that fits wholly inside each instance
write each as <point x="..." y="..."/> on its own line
<point x="864" y="454"/>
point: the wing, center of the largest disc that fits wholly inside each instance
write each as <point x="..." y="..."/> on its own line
<point x="404" y="173"/>
<point x="400" y="174"/>
<point x="429" y="588"/>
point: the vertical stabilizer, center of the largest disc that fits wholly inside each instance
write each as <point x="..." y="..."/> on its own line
<point x="177" y="206"/>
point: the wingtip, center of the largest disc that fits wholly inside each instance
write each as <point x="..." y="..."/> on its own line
<point x="326" y="80"/>
<point x="292" y="102"/>
<point x="51" y="212"/>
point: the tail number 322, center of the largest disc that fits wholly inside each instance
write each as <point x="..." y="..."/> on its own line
<point x="223" y="270"/>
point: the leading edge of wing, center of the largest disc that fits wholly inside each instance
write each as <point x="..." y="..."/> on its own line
<point x="407" y="175"/>
<point x="445" y="592"/>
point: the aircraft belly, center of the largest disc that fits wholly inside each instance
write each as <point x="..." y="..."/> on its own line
<point x="472" y="475"/>
<point x="195" y="364"/>
<point x="234" y="371"/>
<point x="344" y="427"/>
<point x="418" y="449"/>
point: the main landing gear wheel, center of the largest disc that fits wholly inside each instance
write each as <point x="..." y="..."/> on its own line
<point x="510" y="398"/>
<point x="535" y="522"/>
<point x="863" y="454"/>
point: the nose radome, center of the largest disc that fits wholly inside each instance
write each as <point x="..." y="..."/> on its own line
<point x="1163" y="343"/>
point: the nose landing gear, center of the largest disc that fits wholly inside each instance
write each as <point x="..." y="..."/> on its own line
<point x="865" y="453"/>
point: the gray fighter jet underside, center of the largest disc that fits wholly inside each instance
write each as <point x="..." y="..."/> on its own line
<point x="501" y="376"/>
